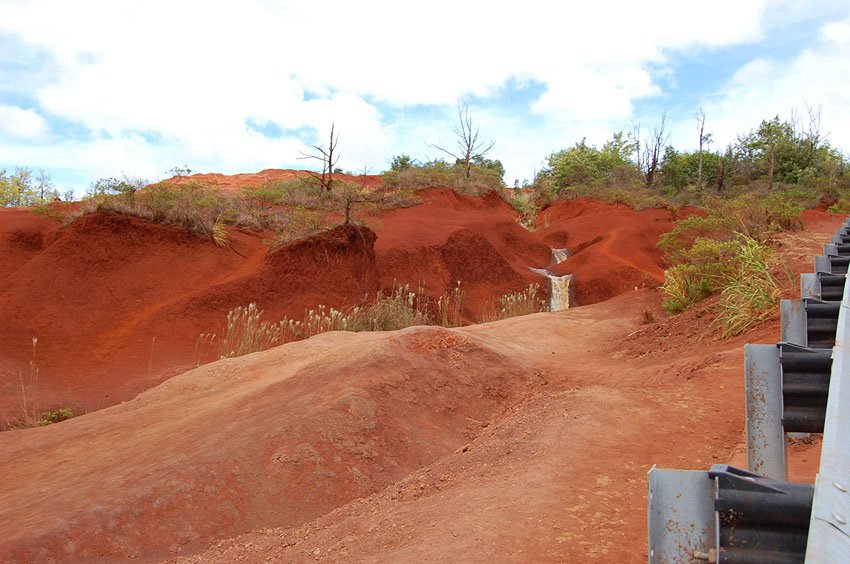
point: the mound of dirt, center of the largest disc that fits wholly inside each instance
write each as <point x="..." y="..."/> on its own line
<point x="276" y="438"/>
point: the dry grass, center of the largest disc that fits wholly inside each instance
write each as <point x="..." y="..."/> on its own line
<point x="246" y="331"/>
<point x="30" y="413"/>
<point x="515" y="304"/>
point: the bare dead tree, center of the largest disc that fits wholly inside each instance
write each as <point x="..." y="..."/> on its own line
<point x="704" y="138"/>
<point x="469" y="148"/>
<point x="636" y="134"/>
<point x="813" y="134"/>
<point x="329" y="159"/>
<point x="649" y="154"/>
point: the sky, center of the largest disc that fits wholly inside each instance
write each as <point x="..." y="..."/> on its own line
<point x="94" y="89"/>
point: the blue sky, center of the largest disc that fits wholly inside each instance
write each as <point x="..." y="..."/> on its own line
<point x="91" y="89"/>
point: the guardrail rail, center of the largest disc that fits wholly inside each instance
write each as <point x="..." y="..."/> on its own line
<point x="799" y="385"/>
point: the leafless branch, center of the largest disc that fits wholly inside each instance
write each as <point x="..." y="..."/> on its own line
<point x="328" y="159"/>
<point x="468" y="146"/>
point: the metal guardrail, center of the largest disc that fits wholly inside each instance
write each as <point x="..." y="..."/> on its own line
<point x="730" y="515"/>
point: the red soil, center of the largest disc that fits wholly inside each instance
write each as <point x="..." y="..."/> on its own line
<point x="117" y="303"/>
<point x="612" y="247"/>
<point x="526" y="439"/>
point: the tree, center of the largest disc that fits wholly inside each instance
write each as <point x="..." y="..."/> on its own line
<point x="329" y="160"/>
<point x="24" y="189"/>
<point x="179" y="171"/>
<point x="490" y="164"/>
<point x="649" y="154"/>
<point x="704" y="139"/>
<point x="469" y="148"/>
<point x="402" y="162"/>
<point x="125" y="186"/>
<point x="585" y="164"/>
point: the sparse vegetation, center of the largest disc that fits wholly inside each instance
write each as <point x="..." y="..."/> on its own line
<point x="50" y="417"/>
<point x="246" y="331"/>
<point x="525" y="205"/>
<point x="514" y="304"/>
<point x="439" y="173"/>
<point x="29" y="412"/>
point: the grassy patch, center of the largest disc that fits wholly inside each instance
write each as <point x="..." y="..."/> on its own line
<point x="750" y="292"/>
<point x="439" y="173"/>
<point x="246" y="331"/>
<point x="514" y="304"/>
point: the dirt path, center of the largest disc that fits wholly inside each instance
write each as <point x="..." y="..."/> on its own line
<point x="561" y="477"/>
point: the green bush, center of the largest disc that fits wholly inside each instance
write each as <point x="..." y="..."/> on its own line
<point x="750" y="293"/>
<point x="740" y="270"/>
<point x="50" y="417"/>
<point x="699" y="272"/>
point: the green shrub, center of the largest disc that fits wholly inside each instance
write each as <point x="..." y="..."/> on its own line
<point x="50" y="417"/>
<point x="842" y="203"/>
<point x="684" y="285"/>
<point x="434" y="174"/>
<point x="740" y="270"/>
<point x="750" y="293"/>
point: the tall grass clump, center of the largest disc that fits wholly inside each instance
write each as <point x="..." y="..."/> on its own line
<point x="740" y="270"/>
<point x="30" y="412"/>
<point x="247" y="332"/>
<point x="750" y="292"/>
<point x="514" y="304"/>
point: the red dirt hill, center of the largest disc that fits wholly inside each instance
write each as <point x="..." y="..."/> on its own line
<point x="526" y="439"/>
<point x="116" y="303"/>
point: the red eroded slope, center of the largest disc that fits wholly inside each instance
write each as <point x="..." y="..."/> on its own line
<point x="450" y="238"/>
<point x="22" y="236"/>
<point x="612" y="246"/>
<point x="117" y="303"/>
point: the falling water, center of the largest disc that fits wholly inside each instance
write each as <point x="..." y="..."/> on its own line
<point x="559" y="292"/>
<point x="559" y="287"/>
<point x="560" y="255"/>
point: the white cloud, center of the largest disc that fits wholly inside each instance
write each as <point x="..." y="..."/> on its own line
<point x="816" y="77"/>
<point x="194" y="73"/>
<point x="20" y="124"/>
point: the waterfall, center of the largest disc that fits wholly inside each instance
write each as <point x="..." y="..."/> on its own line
<point x="559" y="289"/>
<point x="559" y="255"/>
<point x="559" y="292"/>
